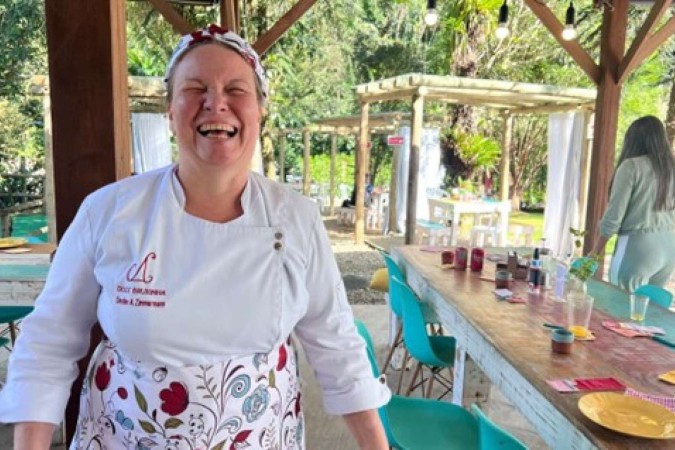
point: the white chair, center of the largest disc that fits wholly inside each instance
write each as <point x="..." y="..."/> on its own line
<point x="490" y="229"/>
<point x="522" y="235"/>
<point x="430" y="233"/>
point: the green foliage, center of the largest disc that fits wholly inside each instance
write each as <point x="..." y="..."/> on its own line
<point x="18" y="139"/>
<point x="477" y="151"/>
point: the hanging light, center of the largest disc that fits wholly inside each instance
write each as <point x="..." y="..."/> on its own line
<point x="431" y="17"/>
<point x="503" y="24"/>
<point x="570" y="31"/>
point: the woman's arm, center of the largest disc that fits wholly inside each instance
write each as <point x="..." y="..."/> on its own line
<point x="367" y="430"/>
<point x="599" y="247"/>
<point x="33" y="435"/>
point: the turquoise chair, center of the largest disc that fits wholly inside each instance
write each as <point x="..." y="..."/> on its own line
<point x="433" y="352"/>
<point x="424" y="424"/>
<point x="492" y="436"/>
<point x="656" y="294"/>
<point x="430" y="317"/>
<point x="11" y="315"/>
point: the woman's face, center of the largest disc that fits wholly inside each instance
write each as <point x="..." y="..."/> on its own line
<point x="214" y="113"/>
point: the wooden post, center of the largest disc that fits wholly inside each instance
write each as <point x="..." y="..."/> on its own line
<point x="612" y="47"/>
<point x="414" y="164"/>
<point x="331" y="187"/>
<point x="86" y="45"/>
<point x="282" y="158"/>
<point x="50" y="204"/>
<point x="361" y="158"/>
<point x="229" y="16"/>
<point x="586" y="141"/>
<point x="505" y="161"/>
<point x="306" y="154"/>
<point x="393" y="191"/>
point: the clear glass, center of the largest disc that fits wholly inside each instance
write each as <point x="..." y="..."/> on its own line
<point x="579" y="309"/>
<point x="638" y="308"/>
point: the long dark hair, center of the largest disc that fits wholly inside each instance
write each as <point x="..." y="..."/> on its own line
<point x="647" y="137"/>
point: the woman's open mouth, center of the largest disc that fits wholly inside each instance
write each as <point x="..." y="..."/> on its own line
<point x="217" y="130"/>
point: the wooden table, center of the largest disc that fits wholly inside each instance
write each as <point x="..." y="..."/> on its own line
<point x="23" y="275"/>
<point x="453" y="209"/>
<point x="505" y="344"/>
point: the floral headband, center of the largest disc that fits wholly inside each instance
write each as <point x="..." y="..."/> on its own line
<point x="226" y="37"/>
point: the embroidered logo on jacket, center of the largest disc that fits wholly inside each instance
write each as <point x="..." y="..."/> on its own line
<point x="139" y="272"/>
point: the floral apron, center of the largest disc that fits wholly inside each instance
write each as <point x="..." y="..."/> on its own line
<point x="250" y="402"/>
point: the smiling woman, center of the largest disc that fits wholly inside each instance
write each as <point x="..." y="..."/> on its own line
<point x="198" y="274"/>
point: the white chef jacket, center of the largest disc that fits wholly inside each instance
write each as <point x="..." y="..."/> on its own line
<point x="171" y="288"/>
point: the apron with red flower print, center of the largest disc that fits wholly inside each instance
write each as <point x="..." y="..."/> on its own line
<point x="250" y="402"/>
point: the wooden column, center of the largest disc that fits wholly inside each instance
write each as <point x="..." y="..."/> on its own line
<point x="86" y="45"/>
<point x="50" y="203"/>
<point x="229" y="14"/>
<point x="282" y="158"/>
<point x="361" y="158"/>
<point x="331" y="187"/>
<point x="393" y="191"/>
<point x="612" y="47"/>
<point x="306" y="154"/>
<point x="505" y="161"/>
<point x="586" y="142"/>
<point x="414" y="163"/>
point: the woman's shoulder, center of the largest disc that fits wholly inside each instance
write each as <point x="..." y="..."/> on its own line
<point x="133" y="184"/>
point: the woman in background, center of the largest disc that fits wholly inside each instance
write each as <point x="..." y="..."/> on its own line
<point x="641" y="209"/>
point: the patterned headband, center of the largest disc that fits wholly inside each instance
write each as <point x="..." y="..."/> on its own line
<point x="223" y="36"/>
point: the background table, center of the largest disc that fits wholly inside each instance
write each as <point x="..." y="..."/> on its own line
<point x="506" y="345"/>
<point x="23" y="275"/>
<point x="453" y="210"/>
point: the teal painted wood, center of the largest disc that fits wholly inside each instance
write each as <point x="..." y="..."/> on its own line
<point x="20" y="272"/>
<point x="615" y="302"/>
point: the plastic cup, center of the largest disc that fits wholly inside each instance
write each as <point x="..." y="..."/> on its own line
<point x="638" y="307"/>
<point x="579" y="309"/>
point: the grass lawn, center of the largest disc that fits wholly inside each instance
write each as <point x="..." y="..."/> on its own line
<point x="536" y="220"/>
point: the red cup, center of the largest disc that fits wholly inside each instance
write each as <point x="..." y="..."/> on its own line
<point x="477" y="255"/>
<point x="461" y="256"/>
<point x="447" y="257"/>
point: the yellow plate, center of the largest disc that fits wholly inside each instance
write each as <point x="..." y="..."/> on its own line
<point x="10" y="242"/>
<point x="628" y="415"/>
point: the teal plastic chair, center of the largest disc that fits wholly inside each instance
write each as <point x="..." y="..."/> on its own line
<point x="11" y="315"/>
<point x="492" y="436"/>
<point x="430" y="317"/>
<point x="424" y="424"/>
<point x="656" y="294"/>
<point x="433" y="352"/>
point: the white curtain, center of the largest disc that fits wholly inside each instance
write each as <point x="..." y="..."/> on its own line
<point x="150" y="137"/>
<point x="565" y="138"/>
<point x="430" y="174"/>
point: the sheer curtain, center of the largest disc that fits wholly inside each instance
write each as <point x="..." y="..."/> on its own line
<point x="565" y="138"/>
<point x="430" y="174"/>
<point x="150" y="137"/>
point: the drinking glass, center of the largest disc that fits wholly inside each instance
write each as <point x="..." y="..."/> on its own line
<point x="579" y="309"/>
<point x="638" y="308"/>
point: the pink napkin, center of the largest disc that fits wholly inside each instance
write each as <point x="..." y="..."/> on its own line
<point x="666" y="402"/>
<point x="599" y="384"/>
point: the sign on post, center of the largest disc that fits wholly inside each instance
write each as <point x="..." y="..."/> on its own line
<point x="395" y="140"/>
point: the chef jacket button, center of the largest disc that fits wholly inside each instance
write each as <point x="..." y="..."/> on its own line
<point x="278" y="235"/>
<point x="277" y="246"/>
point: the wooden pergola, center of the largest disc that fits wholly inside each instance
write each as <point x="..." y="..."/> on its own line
<point x="508" y="97"/>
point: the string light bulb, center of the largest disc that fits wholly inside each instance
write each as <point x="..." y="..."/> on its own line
<point x="431" y="16"/>
<point x="570" y="31"/>
<point x="503" y="23"/>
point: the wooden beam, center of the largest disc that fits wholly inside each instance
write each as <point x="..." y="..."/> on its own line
<point x="331" y="186"/>
<point x="584" y="178"/>
<point x="612" y="47"/>
<point x="179" y="24"/>
<point x="228" y="15"/>
<point x="86" y="45"/>
<point x="505" y="160"/>
<point x="573" y="48"/>
<point x="362" y="149"/>
<point x="638" y="51"/>
<point x="414" y="164"/>
<point x="306" y="155"/>
<point x="272" y="35"/>
<point x="393" y="191"/>
<point x="651" y="45"/>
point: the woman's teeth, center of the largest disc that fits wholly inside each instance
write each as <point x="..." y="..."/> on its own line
<point x="218" y="130"/>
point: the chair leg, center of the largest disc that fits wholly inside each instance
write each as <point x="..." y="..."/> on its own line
<point x="431" y="384"/>
<point x="405" y="363"/>
<point x="12" y="333"/>
<point x="397" y="341"/>
<point x="412" y="384"/>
